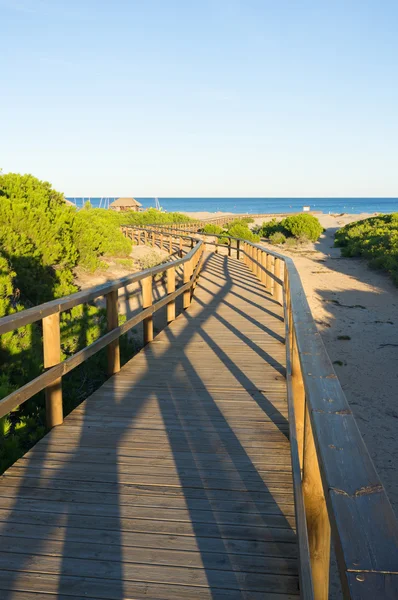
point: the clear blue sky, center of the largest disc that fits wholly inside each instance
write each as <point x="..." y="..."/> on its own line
<point x="202" y="98"/>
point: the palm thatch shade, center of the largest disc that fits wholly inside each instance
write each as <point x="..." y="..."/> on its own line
<point x="125" y="202"/>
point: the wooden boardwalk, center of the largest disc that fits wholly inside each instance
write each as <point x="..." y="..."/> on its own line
<point x="173" y="480"/>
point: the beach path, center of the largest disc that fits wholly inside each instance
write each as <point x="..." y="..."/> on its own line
<point x="173" y="480"/>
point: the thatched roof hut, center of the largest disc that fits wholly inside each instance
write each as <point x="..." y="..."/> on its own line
<point x="125" y="204"/>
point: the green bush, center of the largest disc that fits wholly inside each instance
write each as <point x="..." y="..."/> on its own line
<point x="150" y="217"/>
<point x="277" y="238"/>
<point x="210" y="228"/>
<point x="375" y="239"/>
<point x="241" y="221"/>
<point x="270" y="228"/>
<point x="303" y="226"/>
<point x="97" y="233"/>
<point x="240" y="230"/>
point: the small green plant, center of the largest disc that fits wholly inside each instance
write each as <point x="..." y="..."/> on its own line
<point x="343" y="337"/>
<point x="291" y="242"/>
<point x="149" y="260"/>
<point x="277" y="238"/>
<point x="126" y="263"/>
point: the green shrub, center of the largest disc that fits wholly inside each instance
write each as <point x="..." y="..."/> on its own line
<point x="303" y="227"/>
<point x="241" y="221"/>
<point x="150" y="217"/>
<point x="375" y="239"/>
<point x="240" y="230"/>
<point x="277" y="238"/>
<point x="300" y="226"/>
<point x="97" y="233"/>
<point x="210" y="229"/>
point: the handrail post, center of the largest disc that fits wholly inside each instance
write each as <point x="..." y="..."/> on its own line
<point x="263" y="276"/>
<point x="52" y="356"/>
<point x="153" y="238"/>
<point x="113" y="349"/>
<point x="268" y="278"/>
<point x="161" y="241"/>
<point x="146" y="302"/>
<point x="298" y="394"/>
<point x="180" y="246"/>
<point x="146" y="237"/>
<point x="187" y="276"/>
<point x="316" y="514"/>
<point x="278" y="286"/>
<point x="238" y="249"/>
<point x="171" y="286"/>
<point x="258" y="262"/>
<point x="171" y="244"/>
<point x="229" y="246"/>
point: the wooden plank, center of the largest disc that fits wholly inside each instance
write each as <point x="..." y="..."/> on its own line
<point x="155" y="556"/>
<point x="137" y="512"/>
<point x="109" y="589"/>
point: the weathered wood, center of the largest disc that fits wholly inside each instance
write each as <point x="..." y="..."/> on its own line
<point x="146" y="303"/>
<point x="186" y="299"/>
<point x="113" y="349"/>
<point x="277" y="286"/>
<point x="268" y="282"/>
<point x="171" y="286"/>
<point x="316" y="515"/>
<point x="52" y="356"/>
<point x="298" y="394"/>
<point x="263" y="273"/>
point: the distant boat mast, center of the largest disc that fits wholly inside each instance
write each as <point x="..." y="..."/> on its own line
<point x="157" y="204"/>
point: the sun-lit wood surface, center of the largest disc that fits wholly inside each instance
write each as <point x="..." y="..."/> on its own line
<point x="173" y="480"/>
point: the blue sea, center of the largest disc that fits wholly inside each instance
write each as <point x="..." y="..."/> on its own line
<point x="260" y="205"/>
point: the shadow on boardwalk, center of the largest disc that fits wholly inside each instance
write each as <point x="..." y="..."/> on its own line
<point x="173" y="479"/>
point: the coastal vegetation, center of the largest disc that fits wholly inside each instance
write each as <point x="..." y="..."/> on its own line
<point x="302" y="228"/>
<point x="42" y="241"/>
<point x="237" y="228"/>
<point x="375" y="239"/>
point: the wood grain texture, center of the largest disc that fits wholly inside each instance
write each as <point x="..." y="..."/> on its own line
<point x="173" y="480"/>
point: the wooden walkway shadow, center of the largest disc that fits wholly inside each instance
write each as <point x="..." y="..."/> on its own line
<point x="173" y="480"/>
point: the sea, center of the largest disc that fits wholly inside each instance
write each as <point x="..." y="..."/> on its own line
<point x="258" y="205"/>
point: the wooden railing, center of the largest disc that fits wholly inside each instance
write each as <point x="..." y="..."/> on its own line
<point x="49" y="314"/>
<point x="338" y="493"/>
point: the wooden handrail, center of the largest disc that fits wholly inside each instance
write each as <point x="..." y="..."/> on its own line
<point x="49" y="314"/>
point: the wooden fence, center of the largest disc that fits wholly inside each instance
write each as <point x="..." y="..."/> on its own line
<point x="49" y="314"/>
